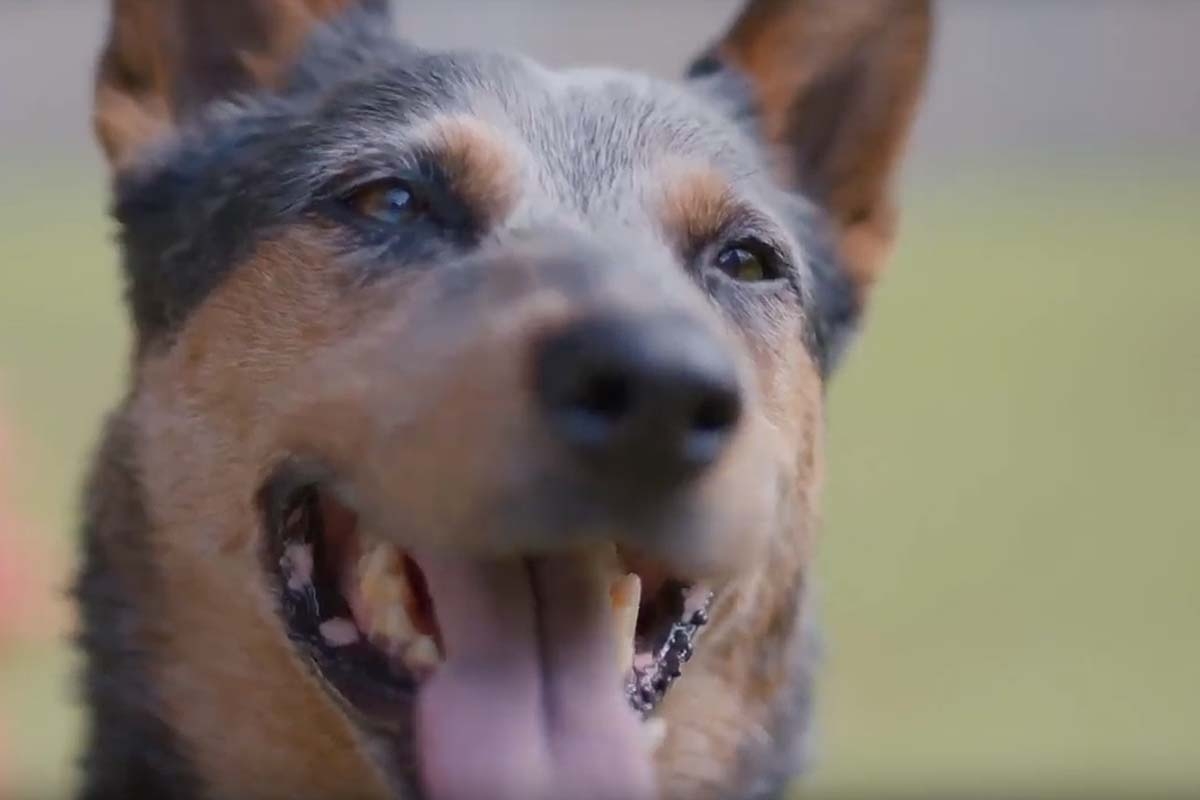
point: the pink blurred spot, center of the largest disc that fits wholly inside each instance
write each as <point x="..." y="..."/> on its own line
<point x="26" y="593"/>
<point x="26" y="589"/>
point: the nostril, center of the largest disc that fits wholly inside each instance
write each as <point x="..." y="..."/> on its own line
<point x="603" y="394"/>
<point x="647" y="402"/>
<point x="710" y="426"/>
<point x="717" y="413"/>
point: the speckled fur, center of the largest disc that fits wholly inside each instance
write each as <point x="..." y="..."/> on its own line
<point x="259" y="308"/>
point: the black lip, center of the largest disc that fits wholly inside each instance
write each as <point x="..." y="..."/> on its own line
<point x="359" y="675"/>
<point x="647" y="687"/>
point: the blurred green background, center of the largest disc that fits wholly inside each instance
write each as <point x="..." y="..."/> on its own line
<point x="1009" y="571"/>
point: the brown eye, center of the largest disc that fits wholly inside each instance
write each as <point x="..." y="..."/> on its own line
<point x="386" y="202"/>
<point x="742" y="263"/>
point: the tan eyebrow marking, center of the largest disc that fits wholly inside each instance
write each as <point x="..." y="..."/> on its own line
<point x="696" y="205"/>
<point x="483" y="165"/>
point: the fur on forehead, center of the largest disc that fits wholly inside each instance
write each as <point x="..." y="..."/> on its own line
<point x="245" y="167"/>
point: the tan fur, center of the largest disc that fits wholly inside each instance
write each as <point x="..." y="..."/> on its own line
<point x="207" y="419"/>
<point x="160" y="54"/>
<point x="132" y="94"/>
<point x="248" y="711"/>
<point x="481" y="163"/>
<point x="747" y="655"/>
<point x="735" y="689"/>
<point x="696" y="203"/>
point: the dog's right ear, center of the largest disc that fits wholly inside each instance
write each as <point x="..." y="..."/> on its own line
<point x="167" y="59"/>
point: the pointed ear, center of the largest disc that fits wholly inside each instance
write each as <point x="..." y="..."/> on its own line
<point x="833" y="86"/>
<point x="167" y="59"/>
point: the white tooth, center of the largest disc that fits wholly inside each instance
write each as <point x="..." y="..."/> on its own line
<point x="297" y="563"/>
<point x="339" y="632"/>
<point x="626" y="595"/>
<point x="391" y="622"/>
<point x="655" y="731"/>
<point x="422" y="655"/>
<point x="375" y="569"/>
<point x="386" y="597"/>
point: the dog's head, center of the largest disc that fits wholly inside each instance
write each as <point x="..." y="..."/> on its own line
<point x="470" y="396"/>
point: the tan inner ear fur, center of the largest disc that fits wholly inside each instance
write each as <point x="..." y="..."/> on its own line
<point x="165" y="59"/>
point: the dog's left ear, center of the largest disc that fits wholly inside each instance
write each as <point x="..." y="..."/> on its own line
<point x="165" y="60"/>
<point x="832" y="86"/>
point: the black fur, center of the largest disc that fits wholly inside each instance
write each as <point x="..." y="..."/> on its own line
<point x="130" y="751"/>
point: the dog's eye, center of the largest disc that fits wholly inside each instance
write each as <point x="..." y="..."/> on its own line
<point x="388" y="202"/>
<point x="748" y="263"/>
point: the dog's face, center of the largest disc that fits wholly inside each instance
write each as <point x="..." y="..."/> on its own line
<point x="471" y="397"/>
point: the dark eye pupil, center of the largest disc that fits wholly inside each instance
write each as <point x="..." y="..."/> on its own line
<point x="742" y="264"/>
<point x="387" y="203"/>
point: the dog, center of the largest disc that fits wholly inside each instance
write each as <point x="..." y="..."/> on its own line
<point x="473" y="439"/>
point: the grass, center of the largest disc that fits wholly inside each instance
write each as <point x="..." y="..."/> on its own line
<point x="1009" y="565"/>
<point x="1011" y="548"/>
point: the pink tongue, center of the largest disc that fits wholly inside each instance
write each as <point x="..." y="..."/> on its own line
<point x="528" y="704"/>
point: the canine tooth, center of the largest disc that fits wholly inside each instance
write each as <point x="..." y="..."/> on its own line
<point x="377" y="568"/>
<point x="386" y="597"/>
<point x="392" y="625"/>
<point x="338" y="632"/>
<point x="422" y="654"/>
<point x="626" y="596"/>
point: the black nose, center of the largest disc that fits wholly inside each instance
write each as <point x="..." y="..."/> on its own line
<point x="645" y="402"/>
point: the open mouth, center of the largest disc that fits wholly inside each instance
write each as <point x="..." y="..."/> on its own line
<point x="365" y="613"/>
